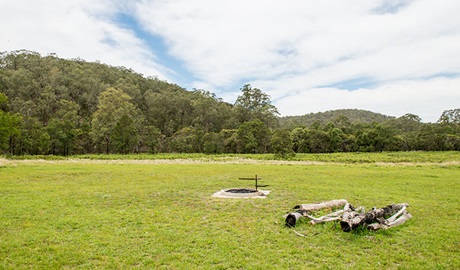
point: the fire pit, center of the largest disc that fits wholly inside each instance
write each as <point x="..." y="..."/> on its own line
<point x="244" y="192"/>
<point x="241" y="193"/>
<point x="241" y="190"/>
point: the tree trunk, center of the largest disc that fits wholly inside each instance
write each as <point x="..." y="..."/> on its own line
<point x="352" y="219"/>
<point x="305" y="209"/>
<point x="292" y="218"/>
<point x="397" y="219"/>
<point x="321" y="205"/>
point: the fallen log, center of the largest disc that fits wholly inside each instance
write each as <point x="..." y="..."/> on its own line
<point x="349" y="213"/>
<point x="395" y="216"/>
<point x="305" y="209"/>
<point x="321" y="205"/>
<point x="332" y="216"/>
<point x="314" y="221"/>
<point x="352" y="219"/>
<point x="291" y="219"/>
<point x="399" y="218"/>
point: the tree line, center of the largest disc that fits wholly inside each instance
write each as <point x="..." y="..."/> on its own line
<point x="50" y="105"/>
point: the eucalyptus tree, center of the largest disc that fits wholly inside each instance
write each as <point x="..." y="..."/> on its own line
<point x="151" y="138"/>
<point x="336" y="140"/>
<point x="210" y="113"/>
<point x="318" y="141"/>
<point x="213" y="143"/>
<point x="9" y="126"/>
<point x="451" y="120"/>
<point x="253" y="137"/>
<point x="300" y="140"/>
<point x="406" y="129"/>
<point x="281" y="144"/>
<point x="255" y="104"/>
<point x="187" y="140"/>
<point x="169" y="111"/>
<point x="450" y="117"/>
<point x="432" y="137"/>
<point x="114" y="108"/>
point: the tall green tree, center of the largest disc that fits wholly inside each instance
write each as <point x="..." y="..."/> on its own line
<point x="125" y="135"/>
<point x="450" y="117"/>
<point x="44" y="143"/>
<point x="213" y="143"/>
<point x="318" y="141"/>
<point x="62" y="128"/>
<point x="210" y="113"/>
<point x="253" y="137"/>
<point x="169" y="111"/>
<point x="406" y="129"/>
<point x="230" y="140"/>
<point x="255" y="104"/>
<point x="432" y="137"/>
<point x="10" y="125"/>
<point x="451" y="120"/>
<point x="113" y="105"/>
<point x="300" y="140"/>
<point x="336" y="140"/>
<point x="281" y="144"/>
<point x="187" y="140"/>
<point x="151" y="137"/>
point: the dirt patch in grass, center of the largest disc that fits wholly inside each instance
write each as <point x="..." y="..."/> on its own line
<point x="8" y="162"/>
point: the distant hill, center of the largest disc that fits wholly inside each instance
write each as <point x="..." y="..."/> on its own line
<point x="353" y="115"/>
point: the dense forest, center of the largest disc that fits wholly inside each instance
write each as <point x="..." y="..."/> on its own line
<point x="50" y="105"/>
<point x="353" y="115"/>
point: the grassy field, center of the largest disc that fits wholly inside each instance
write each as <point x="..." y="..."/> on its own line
<point x="118" y="215"/>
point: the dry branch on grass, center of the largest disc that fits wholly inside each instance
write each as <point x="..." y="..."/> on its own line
<point x="352" y="218"/>
<point x="305" y="209"/>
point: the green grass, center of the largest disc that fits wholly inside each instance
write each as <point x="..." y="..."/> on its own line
<point x="56" y="215"/>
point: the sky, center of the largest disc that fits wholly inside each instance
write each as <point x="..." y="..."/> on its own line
<point x="387" y="56"/>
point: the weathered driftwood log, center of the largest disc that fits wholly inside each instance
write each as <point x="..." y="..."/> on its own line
<point x="327" y="218"/>
<point x="352" y="219"/>
<point x="305" y="209"/>
<point x="395" y="216"/>
<point x="291" y="219"/>
<point x="401" y="220"/>
<point x="321" y="205"/>
<point x="337" y="215"/>
<point x="397" y="219"/>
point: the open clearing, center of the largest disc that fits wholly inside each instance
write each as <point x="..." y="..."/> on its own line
<point x="158" y="214"/>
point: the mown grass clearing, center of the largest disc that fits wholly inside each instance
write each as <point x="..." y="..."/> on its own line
<point x="102" y="215"/>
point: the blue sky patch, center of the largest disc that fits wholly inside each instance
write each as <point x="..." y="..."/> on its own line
<point x="353" y="84"/>
<point x="157" y="45"/>
<point x="391" y="7"/>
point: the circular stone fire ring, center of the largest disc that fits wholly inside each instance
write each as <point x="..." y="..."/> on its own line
<point x="241" y="193"/>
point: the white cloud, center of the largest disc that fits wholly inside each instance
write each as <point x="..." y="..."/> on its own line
<point x="297" y="48"/>
<point x="425" y="98"/>
<point x="74" y="29"/>
<point x="223" y="41"/>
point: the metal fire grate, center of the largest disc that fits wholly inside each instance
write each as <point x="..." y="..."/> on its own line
<point x="256" y="179"/>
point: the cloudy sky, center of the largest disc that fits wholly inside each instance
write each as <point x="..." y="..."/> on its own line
<point x="387" y="56"/>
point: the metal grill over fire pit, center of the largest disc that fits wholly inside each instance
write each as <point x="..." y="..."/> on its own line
<point x="243" y="192"/>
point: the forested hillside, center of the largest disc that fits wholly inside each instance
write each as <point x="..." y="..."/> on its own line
<point x="50" y="105"/>
<point x="353" y="115"/>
